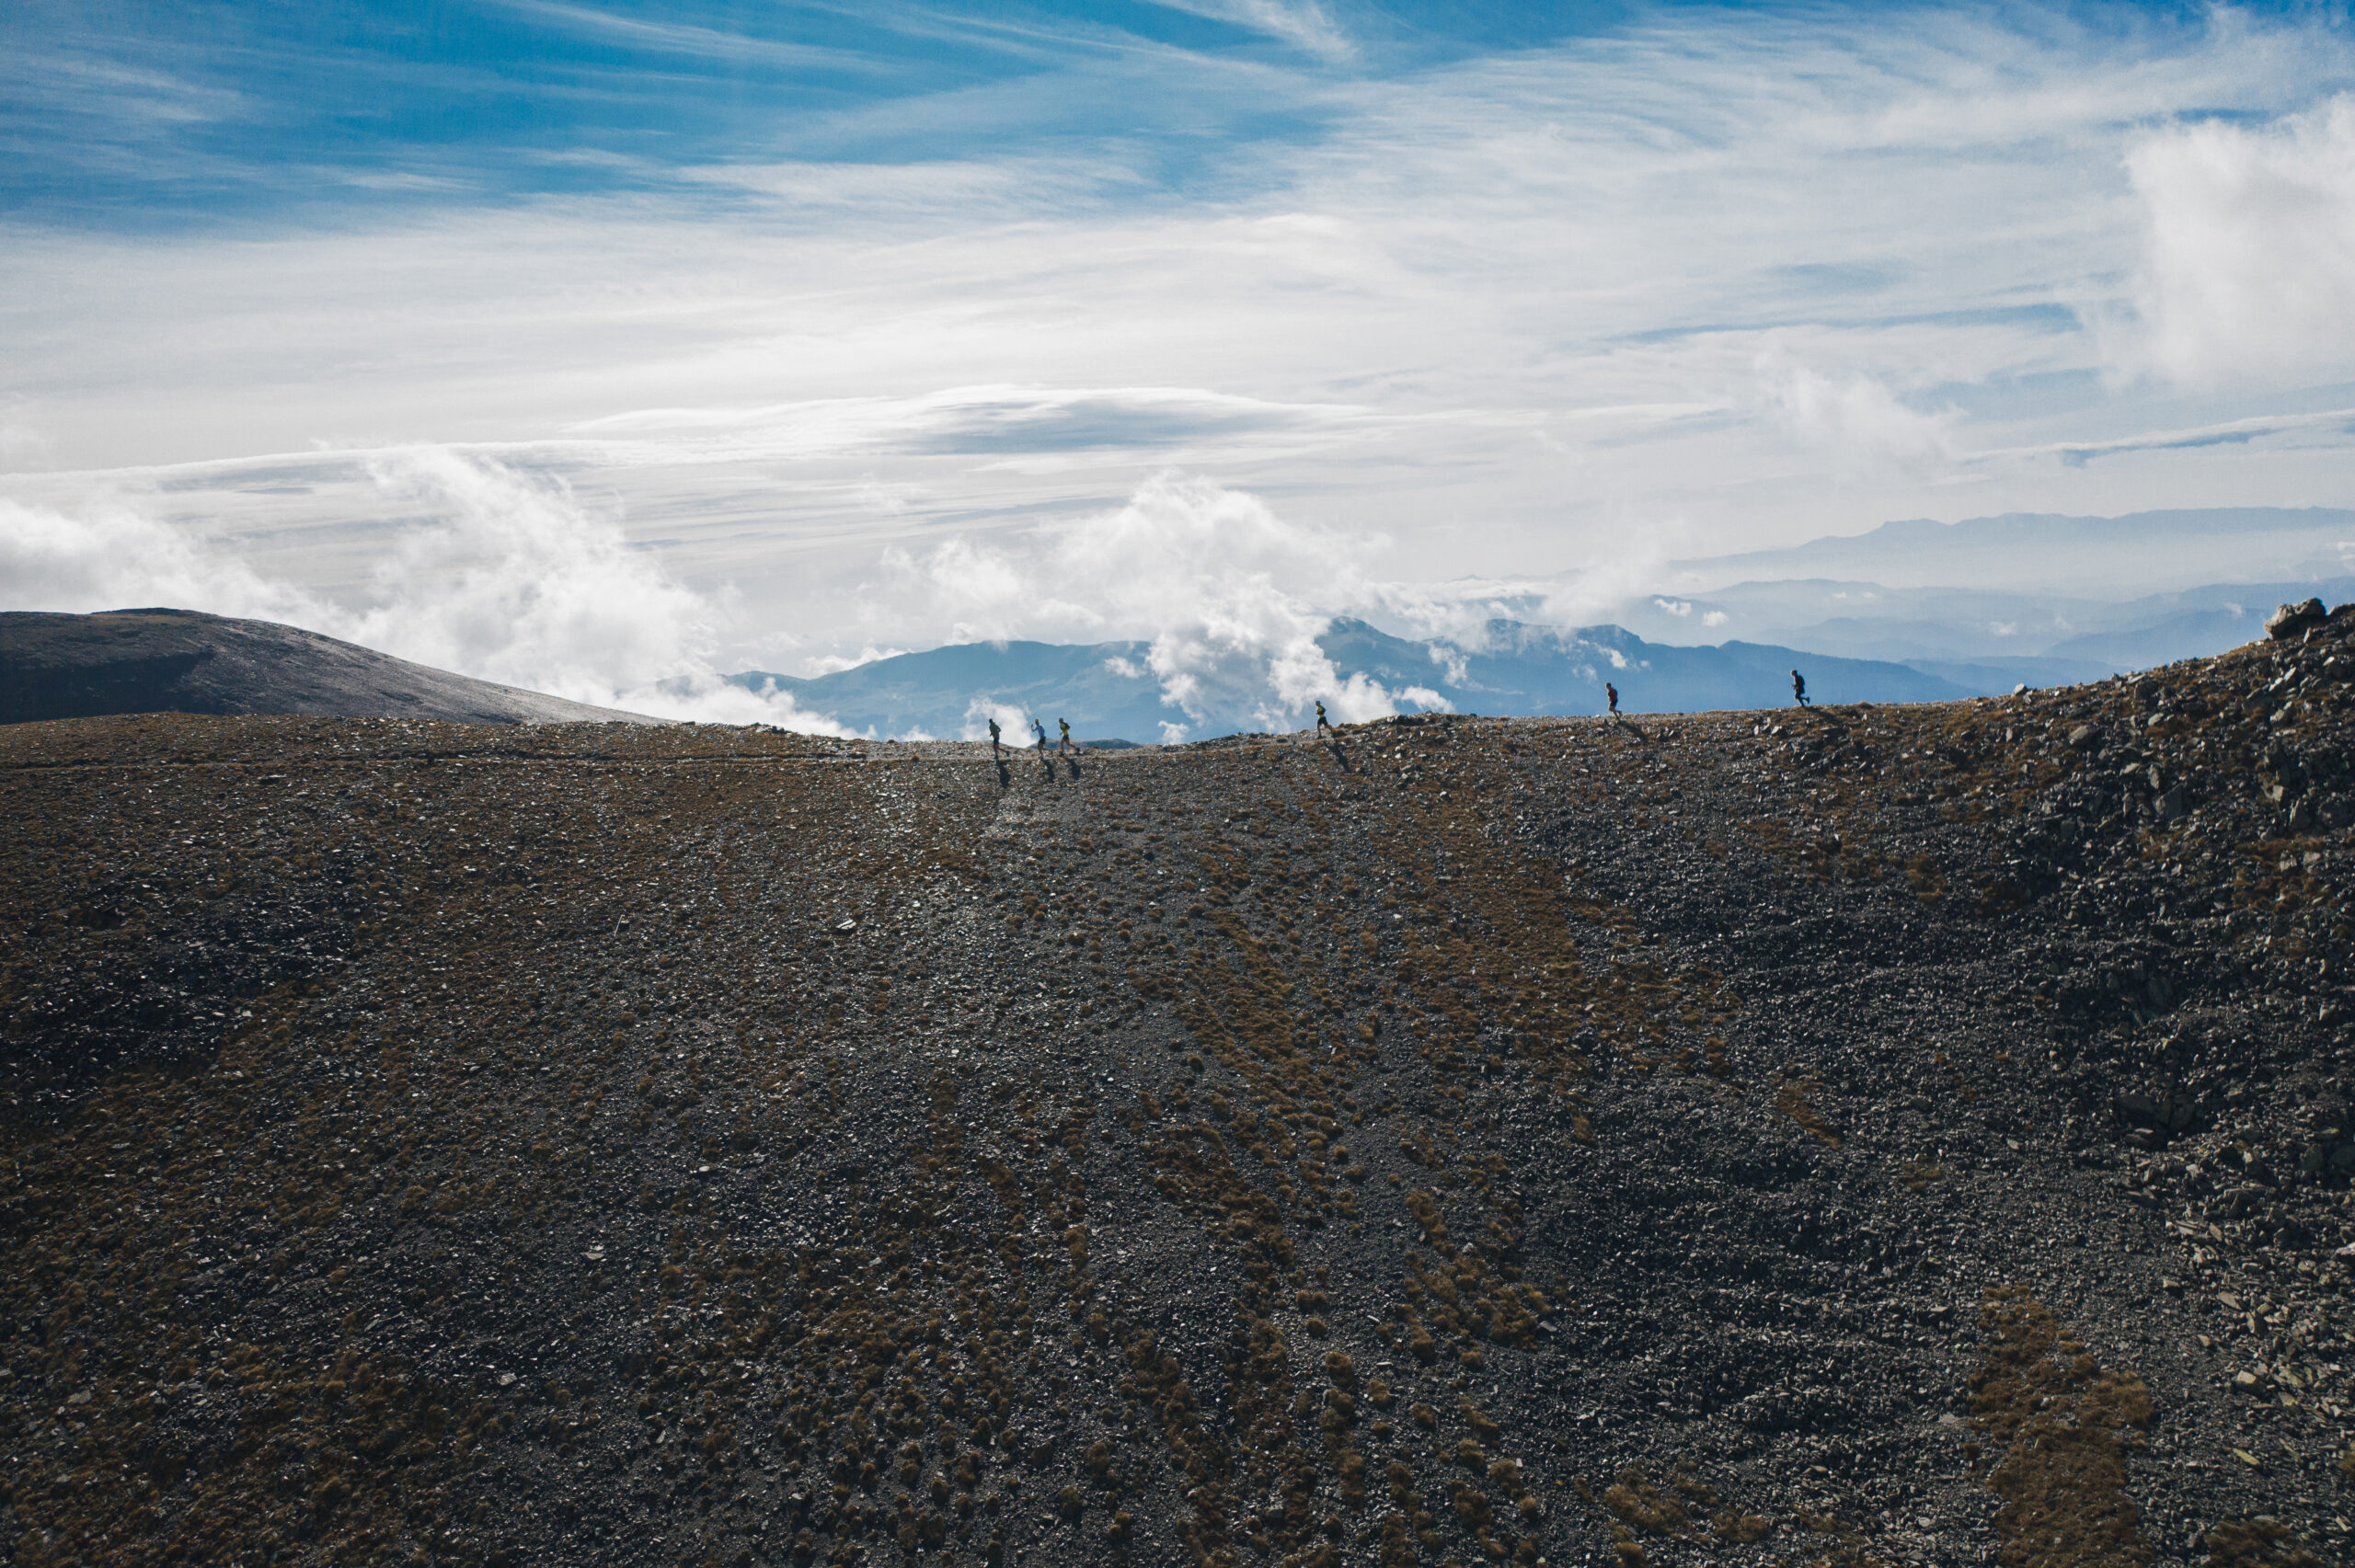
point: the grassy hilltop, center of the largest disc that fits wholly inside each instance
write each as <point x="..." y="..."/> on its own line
<point x="1877" y="1135"/>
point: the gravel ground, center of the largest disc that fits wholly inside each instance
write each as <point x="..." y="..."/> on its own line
<point x="1874" y="1135"/>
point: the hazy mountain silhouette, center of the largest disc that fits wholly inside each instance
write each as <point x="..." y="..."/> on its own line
<point x="133" y="661"/>
<point x="1109" y="689"/>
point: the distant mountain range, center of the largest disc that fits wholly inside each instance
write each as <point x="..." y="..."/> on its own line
<point x="1108" y="689"/>
<point x="2043" y="639"/>
<point x="2104" y="558"/>
<point x="136" y="661"/>
<point x="1910" y="612"/>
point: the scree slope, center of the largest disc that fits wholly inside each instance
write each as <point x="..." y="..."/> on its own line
<point x="1861" y="1136"/>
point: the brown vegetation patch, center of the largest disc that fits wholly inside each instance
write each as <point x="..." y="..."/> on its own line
<point x="1791" y="1099"/>
<point x="2060" y="1426"/>
<point x="2255" y="1543"/>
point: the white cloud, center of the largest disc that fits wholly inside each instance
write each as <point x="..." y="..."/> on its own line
<point x="1230" y="596"/>
<point x="500" y="575"/>
<point x="1855" y="418"/>
<point x="1454" y="660"/>
<point x="1544" y="319"/>
<point x="112" y="556"/>
<point x="1013" y="723"/>
<point x="1303" y="22"/>
<point x="2249" y="269"/>
<point x="827" y="664"/>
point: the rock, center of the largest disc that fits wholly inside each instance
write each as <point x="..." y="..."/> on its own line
<point x="2291" y="620"/>
<point x="2084" y="737"/>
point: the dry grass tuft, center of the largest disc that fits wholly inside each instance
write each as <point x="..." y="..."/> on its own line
<point x="2062" y="1425"/>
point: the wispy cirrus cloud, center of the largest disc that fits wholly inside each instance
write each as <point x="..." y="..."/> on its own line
<point x="1545" y="314"/>
<point x="1302" y="22"/>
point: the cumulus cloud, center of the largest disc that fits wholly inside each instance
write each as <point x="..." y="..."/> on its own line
<point x="110" y="554"/>
<point x="2249" y="265"/>
<point x="828" y="664"/>
<point x="1013" y="723"/>
<point x="502" y="575"/>
<point x="1230" y="596"/>
<point x="1855" y="418"/>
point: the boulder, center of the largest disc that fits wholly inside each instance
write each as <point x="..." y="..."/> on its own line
<point x="2291" y="620"/>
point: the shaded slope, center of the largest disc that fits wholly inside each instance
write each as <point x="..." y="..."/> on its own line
<point x="1743" y="1140"/>
<point x="131" y="661"/>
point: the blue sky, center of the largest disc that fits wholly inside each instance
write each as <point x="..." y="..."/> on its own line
<point x="832" y="328"/>
<point x="134" y="115"/>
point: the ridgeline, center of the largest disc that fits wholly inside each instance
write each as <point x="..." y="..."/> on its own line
<point x="1871" y="1135"/>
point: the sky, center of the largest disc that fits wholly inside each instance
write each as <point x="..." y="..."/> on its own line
<point x="593" y="346"/>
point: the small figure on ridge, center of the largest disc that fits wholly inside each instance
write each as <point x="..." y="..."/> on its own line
<point x="1613" y="692"/>
<point x="1798" y="688"/>
<point x="1322" y="726"/>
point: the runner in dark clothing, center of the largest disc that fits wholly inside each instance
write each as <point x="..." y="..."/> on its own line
<point x="1065" y="725"/>
<point x="1798" y="688"/>
<point x="1322" y="726"/>
<point x="1613" y="692"/>
<point x="997" y="747"/>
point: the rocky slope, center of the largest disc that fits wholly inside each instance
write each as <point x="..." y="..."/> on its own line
<point x="137" y="661"/>
<point x="1860" y="1136"/>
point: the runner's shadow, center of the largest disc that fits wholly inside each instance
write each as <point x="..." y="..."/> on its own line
<point x="1631" y="726"/>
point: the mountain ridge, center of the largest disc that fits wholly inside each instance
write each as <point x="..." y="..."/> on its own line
<point x="1738" y="1137"/>
<point x="1108" y="689"/>
<point x="55" y="665"/>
